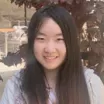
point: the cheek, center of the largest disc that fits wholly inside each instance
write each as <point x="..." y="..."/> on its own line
<point x="35" y="48"/>
<point x="62" y="49"/>
<point x="38" y="48"/>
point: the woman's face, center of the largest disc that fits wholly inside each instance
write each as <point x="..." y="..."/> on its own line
<point x="49" y="45"/>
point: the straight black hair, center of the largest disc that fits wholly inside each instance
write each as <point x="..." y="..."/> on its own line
<point x="71" y="87"/>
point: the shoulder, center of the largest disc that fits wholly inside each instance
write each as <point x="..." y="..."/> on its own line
<point x="95" y="86"/>
<point x="91" y="76"/>
<point x="12" y="91"/>
<point x="15" y="80"/>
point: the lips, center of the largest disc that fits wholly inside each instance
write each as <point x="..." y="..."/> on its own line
<point x="50" y="58"/>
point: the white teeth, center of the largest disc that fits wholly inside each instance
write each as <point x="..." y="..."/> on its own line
<point x="50" y="58"/>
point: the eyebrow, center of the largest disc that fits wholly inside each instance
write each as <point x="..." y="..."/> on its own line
<point x="60" y="34"/>
<point x="40" y="33"/>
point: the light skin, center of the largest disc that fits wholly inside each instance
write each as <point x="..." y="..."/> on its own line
<point x="49" y="49"/>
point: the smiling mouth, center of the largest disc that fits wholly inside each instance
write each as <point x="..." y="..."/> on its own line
<point x="50" y="58"/>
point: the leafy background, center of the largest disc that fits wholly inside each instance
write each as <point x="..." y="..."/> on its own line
<point x="11" y="12"/>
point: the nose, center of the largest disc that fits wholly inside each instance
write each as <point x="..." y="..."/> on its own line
<point x="50" y="47"/>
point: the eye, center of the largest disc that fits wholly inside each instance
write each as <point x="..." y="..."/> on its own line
<point x="60" y="39"/>
<point x="40" y="38"/>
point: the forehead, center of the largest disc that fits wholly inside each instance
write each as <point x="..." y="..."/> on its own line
<point x="50" y="27"/>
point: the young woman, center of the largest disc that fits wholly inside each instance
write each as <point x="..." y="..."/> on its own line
<point x="53" y="72"/>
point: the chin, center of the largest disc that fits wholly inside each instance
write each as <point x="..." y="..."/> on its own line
<point x="51" y="68"/>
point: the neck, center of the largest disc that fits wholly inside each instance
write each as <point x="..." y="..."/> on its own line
<point x="51" y="76"/>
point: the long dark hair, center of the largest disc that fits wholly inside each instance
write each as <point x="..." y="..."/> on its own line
<point x="71" y="87"/>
